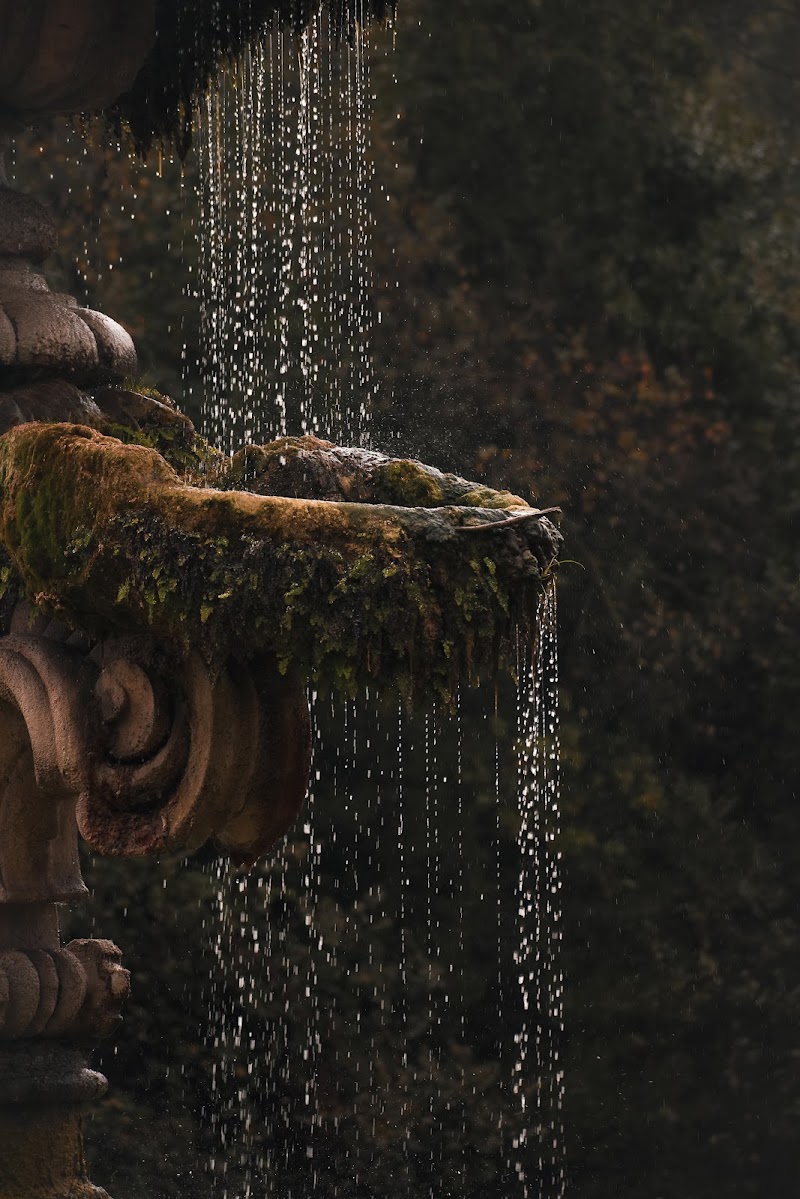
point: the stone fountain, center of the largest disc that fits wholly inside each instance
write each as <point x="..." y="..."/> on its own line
<point x="162" y="606"/>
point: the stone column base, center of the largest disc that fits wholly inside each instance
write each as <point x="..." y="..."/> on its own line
<point x="41" y="1155"/>
<point x="44" y="1089"/>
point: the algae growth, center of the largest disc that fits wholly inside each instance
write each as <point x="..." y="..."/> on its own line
<point x="384" y="586"/>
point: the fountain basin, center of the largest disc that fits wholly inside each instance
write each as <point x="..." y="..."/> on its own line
<point x="114" y="540"/>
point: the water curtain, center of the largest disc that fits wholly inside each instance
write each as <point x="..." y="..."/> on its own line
<point x="292" y="292"/>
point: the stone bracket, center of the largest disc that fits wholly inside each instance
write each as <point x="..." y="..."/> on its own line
<point x="142" y="749"/>
<point x="74" y="993"/>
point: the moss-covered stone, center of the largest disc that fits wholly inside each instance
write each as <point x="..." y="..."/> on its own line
<point x="133" y="414"/>
<point x="144" y="416"/>
<point x="109" y="536"/>
<point x="314" y="469"/>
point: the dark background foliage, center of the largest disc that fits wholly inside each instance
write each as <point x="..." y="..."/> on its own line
<point x="587" y="273"/>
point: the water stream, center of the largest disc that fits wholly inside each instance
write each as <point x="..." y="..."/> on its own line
<point x="372" y="886"/>
<point x="285" y="233"/>
<point x="538" y="1073"/>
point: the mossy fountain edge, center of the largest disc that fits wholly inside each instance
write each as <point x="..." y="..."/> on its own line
<point x="111" y="538"/>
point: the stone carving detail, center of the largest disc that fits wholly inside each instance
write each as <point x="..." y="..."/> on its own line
<point x="41" y="331"/>
<point x="75" y="992"/>
<point x="189" y="756"/>
<point x="142" y="750"/>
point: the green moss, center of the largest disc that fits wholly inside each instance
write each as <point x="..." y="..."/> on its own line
<point x="307" y="466"/>
<point x="405" y="482"/>
<point x="485" y="497"/>
<point x="190" y="456"/>
<point x="140" y="415"/>
<point x="107" y="535"/>
<point x="12" y="589"/>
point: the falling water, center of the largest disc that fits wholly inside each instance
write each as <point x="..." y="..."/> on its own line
<point x="538" y="1067"/>
<point x="378" y="843"/>
<point x="285" y="241"/>
<point x="500" y="927"/>
<point x="284" y="286"/>
<point x="286" y="318"/>
<point x="406" y="1101"/>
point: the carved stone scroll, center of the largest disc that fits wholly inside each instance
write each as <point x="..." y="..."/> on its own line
<point x="187" y="756"/>
<point x="141" y="750"/>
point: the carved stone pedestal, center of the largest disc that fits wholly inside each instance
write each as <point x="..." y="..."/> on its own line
<point x="144" y="749"/>
<point x="45" y="1091"/>
<point x="54" y="1002"/>
<point x="43" y="334"/>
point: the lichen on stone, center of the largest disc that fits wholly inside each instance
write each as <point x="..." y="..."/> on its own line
<point x="308" y="467"/>
<point x="110" y="537"/>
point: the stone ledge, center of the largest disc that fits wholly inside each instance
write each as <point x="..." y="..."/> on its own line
<point x="111" y="538"/>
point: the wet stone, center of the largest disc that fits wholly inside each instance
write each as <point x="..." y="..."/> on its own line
<point x="115" y="348"/>
<point x="26" y="227"/>
<point x="50" y="334"/>
<point x="49" y="400"/>
<point x="8" y="341"/>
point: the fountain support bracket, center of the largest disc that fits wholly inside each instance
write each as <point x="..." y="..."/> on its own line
<point x="140" y="753"/>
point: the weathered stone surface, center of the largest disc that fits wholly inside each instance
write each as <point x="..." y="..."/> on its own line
<point x="42" y="1154"/>
<point x="138" y="411"/>
<point x="8" y="340"/>
<point x="107" y="988"/>
<point x="17" y="275"/>
<point x="109" y="535"/>
<point x="154" y="421"/>
<point x="40" y="771"/>
<point x="47" y="400"/>
<point x="115" y="349"/>
<point x="145" y="749"/>
<point x="49" y="990"/>
<point x="73" y="985"/>
<point x="21" y="991"/>
<point x="42" y="333"/>
<point x="312" y="469"/>
<point x="50" y="334"/>
<point x="225" y="756"/>
<point x="69" y="55"/>
<point x="28" y="926"/>
<point x="27" y="229"/>
<point x="73" y="993"/>
<point x="36" y="1072"/>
